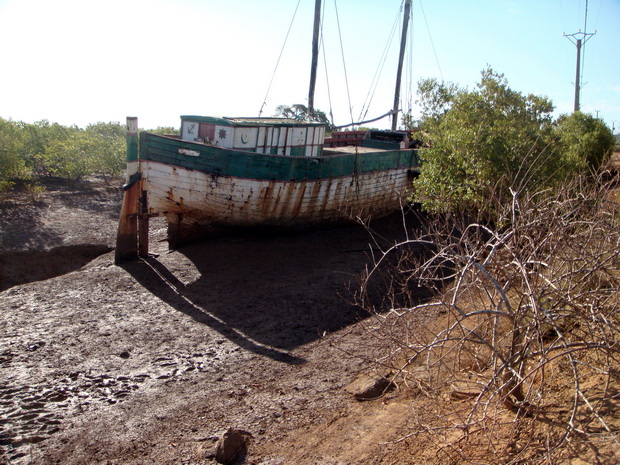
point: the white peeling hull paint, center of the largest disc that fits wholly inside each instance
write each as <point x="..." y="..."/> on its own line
<point x="194" y="197"/>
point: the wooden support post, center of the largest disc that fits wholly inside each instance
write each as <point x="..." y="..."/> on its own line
<point x="127" y="240"/>
<point x="127" y="236"/>
<point x="143" y="223"/>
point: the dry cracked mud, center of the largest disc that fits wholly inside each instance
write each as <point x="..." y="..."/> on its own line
<point x="150" y="362"/>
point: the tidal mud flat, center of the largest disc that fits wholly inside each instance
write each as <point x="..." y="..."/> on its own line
<point x="148" y="362"/>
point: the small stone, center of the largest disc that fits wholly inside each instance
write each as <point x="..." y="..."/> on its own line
<point x="35" y="346"/>
<point x="124" y="354"/>
<point x="366" y="387"/>
<point x="232" y="446"/>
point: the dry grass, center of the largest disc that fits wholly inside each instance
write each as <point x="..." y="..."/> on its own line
<point x="523" y="364"/>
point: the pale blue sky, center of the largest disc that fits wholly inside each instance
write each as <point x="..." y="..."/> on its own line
<point x="82" y="61"/>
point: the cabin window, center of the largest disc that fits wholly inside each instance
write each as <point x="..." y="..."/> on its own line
<point x="282" y="136"/>
<point x="207" y="132"/>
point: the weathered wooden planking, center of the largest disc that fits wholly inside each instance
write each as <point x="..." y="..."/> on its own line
<point x="231" y="201"/>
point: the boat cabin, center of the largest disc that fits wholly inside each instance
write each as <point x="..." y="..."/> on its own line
<point x="275" y="136"/>
<point x="387" y="140"/>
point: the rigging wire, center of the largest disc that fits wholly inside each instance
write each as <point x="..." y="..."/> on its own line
<point x="431" y="39"/>
<point x="279" y="57"/>
<point x="408" y="105"/>
<point x="583" y="46"/>
<point x="322" y="48"/>
<point x="375" y="81"/>
<point x="359" y="123"/>
<point x="346" y="78"/>
<point x="329" y="94"/>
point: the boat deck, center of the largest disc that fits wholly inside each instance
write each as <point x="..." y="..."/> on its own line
<point x="350" y="149"/>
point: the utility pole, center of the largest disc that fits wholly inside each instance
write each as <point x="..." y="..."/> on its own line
<point x="579" y="39"/>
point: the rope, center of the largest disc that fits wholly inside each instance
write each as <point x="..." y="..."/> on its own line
<point x="409" y="85"/>
<point x="431" y="39"/>
<point x="346" y="78"/>
<point x="322" y="48"/>
<point x="375" y="80"/>
<point x="359" y="123"/>
<point x="278" y="62"/>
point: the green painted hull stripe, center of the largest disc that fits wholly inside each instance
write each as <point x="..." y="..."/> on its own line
<point x="249" y="165"/>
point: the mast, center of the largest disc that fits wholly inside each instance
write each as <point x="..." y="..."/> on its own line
<point x="403" y="43"/>
<point x="315" y="56"/>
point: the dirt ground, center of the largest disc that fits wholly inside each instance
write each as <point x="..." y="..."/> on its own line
<point x="150" y="362"/>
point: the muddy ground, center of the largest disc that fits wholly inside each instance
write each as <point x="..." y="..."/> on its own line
<point x="150" y="362"/>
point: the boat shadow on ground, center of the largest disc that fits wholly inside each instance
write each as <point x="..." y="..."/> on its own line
<point x="267" y="294"/>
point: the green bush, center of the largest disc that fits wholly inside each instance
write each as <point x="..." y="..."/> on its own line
<point x="12" y="146"/>
<point x="584" y="141"/>
<point x="38" y="136"/>
<point x="71" y="159"/>
<point x="491" y="142"/>
<point x="165" y="131"/>
<point x="108" y="148"/>
<point x="29" y="152"/>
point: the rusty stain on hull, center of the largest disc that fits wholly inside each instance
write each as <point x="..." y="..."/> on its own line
<point x="298" y="201"/>
<point x="240" y="202"/>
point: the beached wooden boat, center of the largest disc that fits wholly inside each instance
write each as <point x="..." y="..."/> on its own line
<point x="256" y="173"/>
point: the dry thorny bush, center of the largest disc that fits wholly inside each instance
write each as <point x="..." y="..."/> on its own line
<point x="526" y="342"/>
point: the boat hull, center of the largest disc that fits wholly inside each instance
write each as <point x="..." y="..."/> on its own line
<point x="200" y="188"/>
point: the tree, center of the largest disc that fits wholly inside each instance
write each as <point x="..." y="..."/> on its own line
<point x="38" y="137"/>
<point x="165" y="130"/>
<point x="12" y="145"/>
<point x="585" y="142"/>
<point x="301" y="112"/>
<point x="492" y="142"/>
<point x="436" y="98"/>
<point x="107" y="142"/>
<point x="73" y="158"/>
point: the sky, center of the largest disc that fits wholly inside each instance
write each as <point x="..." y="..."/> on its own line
<point x="83" y="61"/>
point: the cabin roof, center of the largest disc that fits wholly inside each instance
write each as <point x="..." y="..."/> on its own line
<point x="244" y="121"/>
